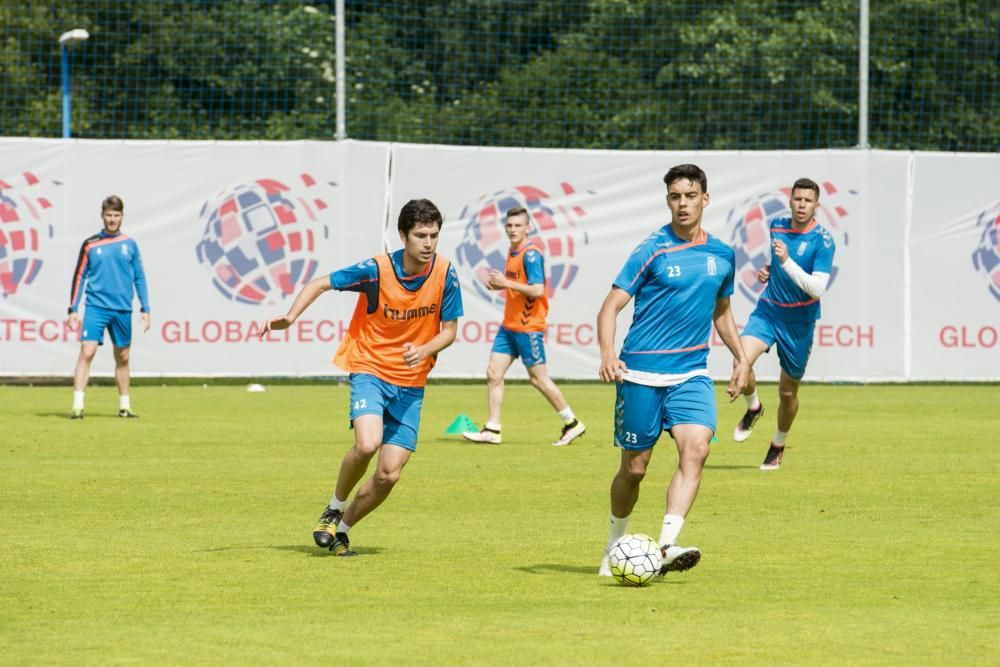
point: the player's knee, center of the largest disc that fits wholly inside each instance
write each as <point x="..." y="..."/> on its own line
<point x="788" y="392"/>
<point x="364" y="448"/>
<point x="633" y="473"/>
<point x="122" y="357"/>
<point x="494" y="375"/>
<point x="694" y="454"/>
<point x="387" y="478"/>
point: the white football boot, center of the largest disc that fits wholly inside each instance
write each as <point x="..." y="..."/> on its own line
<point x="487" y="436"/>
<point x="678" y="559"/>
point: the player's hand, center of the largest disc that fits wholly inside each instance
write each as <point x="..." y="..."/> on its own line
<point x="147" y="322"/>
<point x="413" y="354"/>
<point x="738" y="382"/>
<point x="780" y="250"/>
<point x="496" y="280"/>
<point x="275" y="324"/>
<point x="764" y="274"/>
<point x="611" y="369"/>
<point x="73" y="321"/>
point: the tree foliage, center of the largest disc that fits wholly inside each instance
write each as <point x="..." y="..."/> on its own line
<point x="613" y="74"/>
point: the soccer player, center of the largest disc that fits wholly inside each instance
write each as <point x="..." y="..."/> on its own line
<point x="681" y="279"/>
<point x="108" y="274"/>
<point x="523" y="332"/>
<point x="786" y="313"/>
<point x="407" y="312"/>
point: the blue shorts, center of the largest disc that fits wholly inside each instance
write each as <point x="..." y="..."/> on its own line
<point x="529" y="345"/>
<point x="399" y="408"/>
<point x="117" y="322"/>
<point x="643" y="412"/>
<point x="794" y="339"/>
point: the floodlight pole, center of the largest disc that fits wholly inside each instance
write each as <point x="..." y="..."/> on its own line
<point x="863" y="44"/>
<point x="341" y="69"/>
<point x="65" y="91"/>
<point x="66" y="40"/>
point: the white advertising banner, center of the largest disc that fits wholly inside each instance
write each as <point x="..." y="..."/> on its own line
<point x="229" y="232"/>
<point x="591" y="209"/>
<point x="954" y="247"/>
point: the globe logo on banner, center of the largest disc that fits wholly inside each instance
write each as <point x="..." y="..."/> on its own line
<point x="23" y="207"/>
<point x="750" y="235"/>
<point x="260" y="238"/>
<point x="555" y="222"/>
<point x="986" y="257"/>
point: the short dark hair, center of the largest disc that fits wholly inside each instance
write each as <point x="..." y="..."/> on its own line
<point x="806" y="184"/>
<point x="517" y="210"/>
<point x="114" y="203"/>
<point x="692" y="172"/>
<point x="416" y="212"/>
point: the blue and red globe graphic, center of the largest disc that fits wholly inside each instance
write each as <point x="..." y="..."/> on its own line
<point x="750" y="236"/>
<point x="260" y="238"/>
<point x="23" y="230"/>
<point x="555" y="222"/>
<point x="986" y="257"/>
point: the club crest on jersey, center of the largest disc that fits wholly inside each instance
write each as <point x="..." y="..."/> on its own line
<point x="124" y="249"/>
<point x="802" y="248"/>
<point x="711" y="267"/>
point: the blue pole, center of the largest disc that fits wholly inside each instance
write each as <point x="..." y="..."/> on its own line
<point x="65" y="92"/>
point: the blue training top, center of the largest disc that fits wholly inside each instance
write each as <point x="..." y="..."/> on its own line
<point x="109" y="271"/>
<point x="675" y="284"/>
<point x="812" y="249"/>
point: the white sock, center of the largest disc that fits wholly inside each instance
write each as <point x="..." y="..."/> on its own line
<point x="124" y="403"/>
<point x="753" y="402"/>
<point x="493" y="426"/>
<point x="567" y="415"/>
<point x="78" y="400"/>
<point x="672" y="525"/>
<point x="617" y="529"/>
<point x="343" y="527"/>
<point x="336" y="504"/>
<point x="779" y="438"/>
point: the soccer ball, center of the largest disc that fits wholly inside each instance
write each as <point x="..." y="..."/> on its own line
<point x="634" y="559"/>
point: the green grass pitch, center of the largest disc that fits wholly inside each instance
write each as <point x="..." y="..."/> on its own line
<point x="184" y="536"/>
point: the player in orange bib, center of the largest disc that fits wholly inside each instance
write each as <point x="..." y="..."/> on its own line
<point x="406" y="314"/>
<point x="523" y="332"/>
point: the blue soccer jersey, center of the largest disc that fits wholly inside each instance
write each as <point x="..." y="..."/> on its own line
<point x="675" y="284"/>
<point x="812" y="249"/>
<point x="109" y="272"/>
<point x="363" y="277"/>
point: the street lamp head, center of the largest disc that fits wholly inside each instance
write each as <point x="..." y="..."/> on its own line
<point x="75" y="36"/>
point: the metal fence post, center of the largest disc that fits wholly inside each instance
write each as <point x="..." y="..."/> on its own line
<point x="341" y="69"/>
<point x="863" y="44"/>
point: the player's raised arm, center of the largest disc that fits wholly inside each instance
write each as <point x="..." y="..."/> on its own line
<point x="303" y="300"/>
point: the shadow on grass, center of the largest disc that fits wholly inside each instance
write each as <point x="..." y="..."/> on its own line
<point x="89" y="415"/>
<point x="542" y="568"/>
<point x="306" y="549"/>
<point x="712" y="467"/>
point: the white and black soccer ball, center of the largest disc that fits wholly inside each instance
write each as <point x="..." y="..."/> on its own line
<point x="634" y="559"/>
